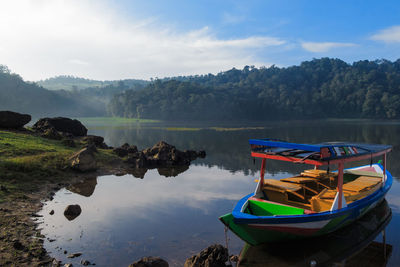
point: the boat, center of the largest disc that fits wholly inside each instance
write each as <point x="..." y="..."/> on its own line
<point x="362" y="243"/>
<point x="315" y="202"/>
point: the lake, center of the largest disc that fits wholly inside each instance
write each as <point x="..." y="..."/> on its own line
<point x="173" y="213"/>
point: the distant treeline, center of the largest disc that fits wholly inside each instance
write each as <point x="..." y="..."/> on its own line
<point x="321" y="88"/>
<point x="72" y="83"/>
<point x="28" y="97"/>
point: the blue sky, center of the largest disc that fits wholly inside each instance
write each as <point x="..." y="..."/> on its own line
<point x="142" y="39"/>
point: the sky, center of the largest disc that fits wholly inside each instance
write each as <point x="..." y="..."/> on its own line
<point x="120" y="39"/>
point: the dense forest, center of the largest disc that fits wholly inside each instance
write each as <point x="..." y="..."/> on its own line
<point x="321" y="88"/>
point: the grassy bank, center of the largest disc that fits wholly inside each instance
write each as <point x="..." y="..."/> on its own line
<point x="27" y="161"/>
<point x="32" y="168"/>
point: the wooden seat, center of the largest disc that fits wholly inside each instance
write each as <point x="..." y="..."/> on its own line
<point x="324" y="178"/>
<point x="353" y="191"/>
<point x="286" y="193"/>
<point x="307" y="183"/>
<point x="362" y="183"/>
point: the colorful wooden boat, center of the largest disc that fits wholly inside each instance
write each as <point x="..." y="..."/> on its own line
<point x="315" y="202"/>
<point x="358" y="244"/>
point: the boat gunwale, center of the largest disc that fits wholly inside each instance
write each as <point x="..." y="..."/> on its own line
<point x="243" y="218"/>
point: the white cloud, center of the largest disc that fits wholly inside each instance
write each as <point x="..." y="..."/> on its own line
<point x="78" y="62"/>
<point x="52" y="37"/>
<point x="320" y="47"/>
<point x="389" y="35"/>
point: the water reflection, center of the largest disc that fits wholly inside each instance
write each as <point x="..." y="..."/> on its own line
<point x="230" y="150"/>
<point x="127" y="218"/>
<point x="124" y="218"/>
<point x="84" y="188"/>
<point x="353" y="245"/>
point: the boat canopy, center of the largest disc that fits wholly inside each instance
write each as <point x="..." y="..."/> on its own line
<point x="316" y="154"/>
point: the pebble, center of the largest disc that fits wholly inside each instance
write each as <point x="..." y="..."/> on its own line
<point x="74" y="255"/>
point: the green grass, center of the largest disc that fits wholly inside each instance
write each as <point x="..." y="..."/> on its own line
<point x="27" y="161"/>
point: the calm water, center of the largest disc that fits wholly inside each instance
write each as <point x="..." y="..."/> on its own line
<point x="125" y="218"/>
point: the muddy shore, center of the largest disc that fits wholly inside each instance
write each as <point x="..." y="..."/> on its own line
<point x="21" y="243"/>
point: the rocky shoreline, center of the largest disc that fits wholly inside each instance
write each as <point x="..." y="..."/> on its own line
<point x="21" y="243"/>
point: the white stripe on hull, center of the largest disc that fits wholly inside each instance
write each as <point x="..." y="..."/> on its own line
<point x="307" y="225"/>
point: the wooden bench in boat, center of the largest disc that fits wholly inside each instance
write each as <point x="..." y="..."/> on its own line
<point x="285" y="193"/>
<point x="354" y="190"/>
<point x="310" y="183"/>
<point x="327" y="179"/>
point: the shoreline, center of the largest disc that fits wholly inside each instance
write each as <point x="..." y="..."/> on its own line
<point x="32" y="169"/>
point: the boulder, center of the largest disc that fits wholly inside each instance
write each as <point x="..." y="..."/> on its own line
<point x="61" y="124"/>
<point x="150" y="262"/>
<point x="13" y="120"/>
<point x="68" y="142"/>
<point x="120" y="151"/>
<point x="83" y="160"/>
<point x="51" y="133"/>
<point x="94" y="139"/>
<point x="71" y="212"/>
<point x="213" y="256"/>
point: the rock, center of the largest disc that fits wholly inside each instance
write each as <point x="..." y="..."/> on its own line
<point x="68" y="265"/>
<point x="201" y="154"/>
<point x="68" y="142"/>
<point x="17" y="245"/>
<point x="84" y="188"/>
<point x="92" y="148"/>
<point x="61" y="124"/>
<point x="51" y="212"/>
<point x="74" y="255"/>
<point x="72" y="211"/>
<point x="120" y="151"/>
<point x="213" y="256"/>
<point x="234" y="258"/>
<point x="51" y="133"/>
<point x="55" y="263"/>
<point x="83" y="160"/>
<point x="132" y="149"/>
<point x="150" y="262"/>
<point x="13" y="120"/>
<point x="3" y="188"/>
<point x="94" y="139"/>
<point x="85" y="262"/>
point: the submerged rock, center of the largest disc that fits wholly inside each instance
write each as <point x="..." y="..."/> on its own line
<point x="150" y="262"/>
<point x="83" y="160"/>
<point x="13" y="120"/>
<point x="212" y="256"/>
<point x="74" y="255"/>
<point x="72" y="211"/>
<point x="61" y="124"/>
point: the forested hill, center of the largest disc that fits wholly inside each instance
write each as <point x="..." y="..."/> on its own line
<point x="71" y="83"/>
<point x="20" y="96"/>
<point x="321" y="88"/>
